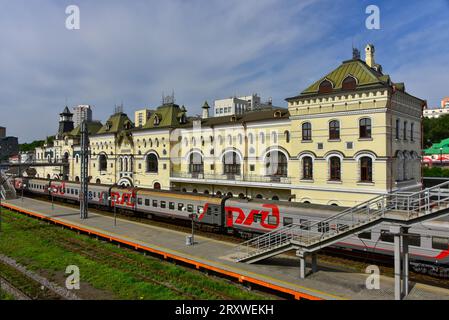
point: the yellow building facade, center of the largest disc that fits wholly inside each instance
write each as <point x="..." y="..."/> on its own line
<point x="350" y="136"/>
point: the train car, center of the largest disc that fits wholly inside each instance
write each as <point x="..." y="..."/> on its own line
<point x="429" y="241"/>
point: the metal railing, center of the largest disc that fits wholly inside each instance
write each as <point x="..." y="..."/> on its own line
<point x="313" y="235"/>
<point x="233" y="177"/>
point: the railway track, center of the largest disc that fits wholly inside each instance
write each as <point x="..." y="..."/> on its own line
<point x="181" y="286"/>
<point x="339" y="259"/>
<point x="9" y="288"/>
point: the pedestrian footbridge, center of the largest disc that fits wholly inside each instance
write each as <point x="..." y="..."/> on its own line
<point x="400" y="209"/>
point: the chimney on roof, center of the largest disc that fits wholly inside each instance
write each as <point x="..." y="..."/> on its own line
<point x="369" y="55"/>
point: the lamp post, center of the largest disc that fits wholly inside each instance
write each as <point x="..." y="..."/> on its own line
<point x="23" y="187"/>
<point x="115" y="208"/>
<point x="441" y="156"/>
<point x="52" y="191"/>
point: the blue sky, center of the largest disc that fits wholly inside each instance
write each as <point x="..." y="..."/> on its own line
<point x="132" y="51"/>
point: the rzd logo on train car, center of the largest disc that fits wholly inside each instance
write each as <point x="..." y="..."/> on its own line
<point x="254" y="216"/>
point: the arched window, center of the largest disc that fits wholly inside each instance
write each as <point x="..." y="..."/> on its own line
<point x="218" y="193"/>
<point x="229" y="139"/>
<point x="325" y="87"/>
<point x="306" y="131"/>
<point x="398" y="123"/>
<point x="274" y="137"/>
<point x="276" y="164"/>
<point x="259" y="196"/>
<point x="102" y="162"/>
<point x="405" y="130"/>
<point x="307" y="168"/>
<point x="335" y="169"/>
<point x="98" y="181"/>
<point x="157" y="186"/>
<point x="231" y="163"/>
<point x="126" y="164"/>
<point x="241" y="196"/>
<point x="196" y="165"/>
<point x="334" y="130"/>
<point x="366" y="169"/>
<point x="251" y="138"/>
<point x="287" y="136"/>
<point x="412" y="129"/>
<point x="349" y="83"/>
<point x="77" y="179"/>
<point x="152" y="163"/>
<point x="261" y="138"/>
<point x="365" y="128"/>
<point x="240" y="138"/>
<point x="275" y="198"/>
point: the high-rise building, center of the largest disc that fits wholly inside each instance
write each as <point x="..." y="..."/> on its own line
<point x="2" y="132"/>
<point x="239" y="105"/>
<point x="80" y="113"/>
<point x="437" y="112"/>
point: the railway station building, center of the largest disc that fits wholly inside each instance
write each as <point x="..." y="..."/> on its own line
<point x="350" y="136"/>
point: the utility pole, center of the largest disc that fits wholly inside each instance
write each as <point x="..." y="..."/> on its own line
<point x="84" y="170"/>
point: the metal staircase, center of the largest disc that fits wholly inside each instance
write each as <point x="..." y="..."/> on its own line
<point x="402" y="208"/>
<point x="7" y="189"/>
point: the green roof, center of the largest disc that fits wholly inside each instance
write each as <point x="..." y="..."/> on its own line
<point x="169" y="116"/>
<point x="116" y="123"/>
<point x="365" y="76"/>
<point x="92" y="127"/>
<point x="437" y="148"/>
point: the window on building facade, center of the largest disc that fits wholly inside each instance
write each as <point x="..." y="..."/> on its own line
<point x="307" y="168"/>
<point x="397" y="128"/>
<point x="102" y="163"/>
<point x="231" y="163"/>
<point x="335" y="169"/>
<point x="325" y="87"/>
<point x="287" y="136"/>
<point x="196" y="164"/>
<point x="261" y="138"/>
<point x="334" y="130"/>
<point x="412" y="129"/>
<point x="366" y="169"/>
<point x="276" y="164"/>
<point x="405" y="130"/>
<point x="307" y="131"/>
<point x="365" y="128"/>
<point x="152" y="163"/>
<point x="349" y="83"/>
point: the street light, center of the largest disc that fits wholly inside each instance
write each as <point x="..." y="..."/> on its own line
<point x="23" y="187"/>
<point x="52" y="191"/>
<point x="441" y="156"/>
<point x="115" y="208"/>
<point x="193" y="216"/>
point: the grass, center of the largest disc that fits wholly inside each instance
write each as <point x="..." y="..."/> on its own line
<point x="105" y="270"/>
<point x="5" y="296"/>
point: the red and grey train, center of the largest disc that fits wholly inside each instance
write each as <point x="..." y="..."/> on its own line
<point x="429" y="244"/>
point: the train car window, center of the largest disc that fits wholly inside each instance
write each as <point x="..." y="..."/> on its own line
<point x="190" y="208"/>
<point x="209" y="211"/>
<point x="304" y="224"/>
<point x="200" y="209"/>
<point x="139" y="201"/>
<point x="147" y="202"/>
<point x="257" y="217"/>
<point x="386" y="236"/>
<point x="414" y="239"/>
<point x="440" y="243"/>
<point x="163" y="204"/>
<point x="365" y="235"/>
<point x="155" y="203"/>
<point x="180" y="206"/>
<point x="272" y="220"/>
<point x="287" y="221"/>
<point x="76" y="192"/>
<point x="323" y="227"/>
<point x="171" y="205"/>
<point x="63" y="190"/>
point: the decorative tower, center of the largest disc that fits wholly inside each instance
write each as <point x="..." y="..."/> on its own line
<point x="205" y="110"/>
<point x="369" y="52"/>
<point x="65" y="121"/>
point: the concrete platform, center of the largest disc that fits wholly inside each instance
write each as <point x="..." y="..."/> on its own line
<point x="280" y="273"/>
